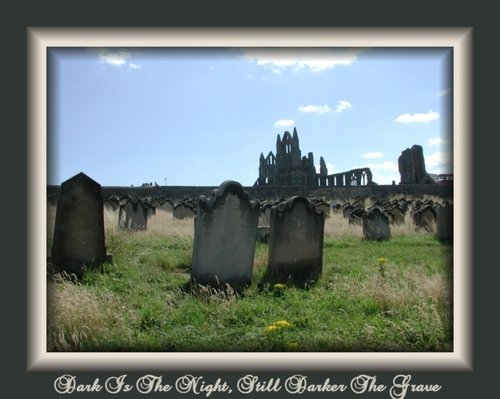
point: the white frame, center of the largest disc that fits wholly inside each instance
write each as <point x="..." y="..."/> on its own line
<point x="40" y="39"/>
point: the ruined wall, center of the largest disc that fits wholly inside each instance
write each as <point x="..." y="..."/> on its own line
<point x="259" y="192"/>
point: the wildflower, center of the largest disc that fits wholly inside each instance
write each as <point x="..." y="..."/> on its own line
<point x="271" y="328"/>
<point x="381" y="261"/>
<point x="278" y="325"/>
<point x="279" y="286"/>
<point x="283" y="324"/>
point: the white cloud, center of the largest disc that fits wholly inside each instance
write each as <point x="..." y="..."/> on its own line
<point x="284" y="123"/>
<point x="314" y="60"/>
<point x="388" y="166"/>
<point x="439" y="162"/>
<point x="320" y="109"/>
<point x="417" y="118"/>
<point x="383" y="172"/>
<point x="373" y="155"/>
<point x="332" y="169"/>
<point x="115" y="58"/>
<point x="343" y="105"/>
<point x="441" y="93"/>
<point x="135" y="66"/>
<point x="435" y="141"/>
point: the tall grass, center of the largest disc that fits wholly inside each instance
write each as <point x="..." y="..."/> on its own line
<point x="143" y="302"/>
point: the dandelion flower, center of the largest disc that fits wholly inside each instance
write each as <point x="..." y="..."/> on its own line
<point x="282" y="324"/>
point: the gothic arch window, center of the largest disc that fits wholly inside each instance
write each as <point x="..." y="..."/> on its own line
<point x="354" y="180"/>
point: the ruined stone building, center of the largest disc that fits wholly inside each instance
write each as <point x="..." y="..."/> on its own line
<point x="289" y="168"/>
<point x="411" y="166"/>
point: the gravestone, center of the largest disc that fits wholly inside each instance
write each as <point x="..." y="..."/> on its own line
<point x="295" y="243"/>
<point x="424" y="217"/>
<point x="183" y="210"/>
<point x="134" y="214"/>
<point x="79" y="226"/>
<point x="224" y="238"/>
<point x="444" y="222"/>
<point x="376" y="225"/>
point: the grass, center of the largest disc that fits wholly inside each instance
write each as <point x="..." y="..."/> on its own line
<point x="141" y="302"/>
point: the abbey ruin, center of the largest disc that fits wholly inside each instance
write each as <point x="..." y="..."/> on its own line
<point x="289" y="168"/>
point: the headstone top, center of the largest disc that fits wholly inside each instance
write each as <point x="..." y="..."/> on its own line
<point x="227" y="187"/>
<point x="290" y="204"/>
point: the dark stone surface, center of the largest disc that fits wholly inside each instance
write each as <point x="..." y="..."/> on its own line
<point x="224" y="239"/>
<point x="79" y="225"/>
<point x="376" y="225"/>
<point x="411" y="165"/>
<point x="444" y="223"/>
<point x="295" y="243"/>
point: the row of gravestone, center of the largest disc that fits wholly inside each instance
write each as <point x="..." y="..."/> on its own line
<point x="224" y="240"/>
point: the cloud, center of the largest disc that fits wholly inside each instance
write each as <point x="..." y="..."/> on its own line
<point x="441" y="93"/>
<point x="284" y="123"/>
<point x="332" y="169"/>
<point x="115" y="58"/>
<point x="314" y="60"/>
<point x="343" y="105"/>
<point x="436" y="141"/>
<point x="373" y="155"/>
<point x="439" y="162"/>
<point x="417" y="118"/>
<point x="383" y="172"/>
<point x="319" y="109"/>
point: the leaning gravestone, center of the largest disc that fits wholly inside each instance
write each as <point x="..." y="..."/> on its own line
<point x="224" y="238"/>
<point x="79" y="225"/>
<point x="295" y="243"/>
<point x="444" y="222"/>
<point x="376" y="225"/>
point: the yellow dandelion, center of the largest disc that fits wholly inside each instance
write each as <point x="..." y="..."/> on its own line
<point x="279" y="286"/>
<point x="271" y="328"/>
<point x="381" y="261"/>
<point x="282" y="324"/>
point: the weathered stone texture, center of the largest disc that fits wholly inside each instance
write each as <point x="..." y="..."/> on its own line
<point x="79" y="225"/>
<point x="411" y="165"/>
<point x="225" y="234"/>
<point x="295" y="243"/>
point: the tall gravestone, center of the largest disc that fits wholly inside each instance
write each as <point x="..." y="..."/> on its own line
<point x="376" y="225"/>
<point x="295" y="243"/>
<point x="444" y="222"/>
<point x="224" y="238"/>
<point x="79" y="225"/>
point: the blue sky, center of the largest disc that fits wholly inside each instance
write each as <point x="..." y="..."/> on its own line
<point x="199" y="116"/>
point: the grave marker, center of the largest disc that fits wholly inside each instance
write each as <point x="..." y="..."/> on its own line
<point x="295" y="243"/>
<point x="224" y="240"/>
<point x="79" y="225"/>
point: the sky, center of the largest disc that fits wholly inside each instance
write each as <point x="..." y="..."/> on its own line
<point x="200" y="116"/>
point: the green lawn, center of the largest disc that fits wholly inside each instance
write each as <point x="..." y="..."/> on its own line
<point x="142" y="302"/>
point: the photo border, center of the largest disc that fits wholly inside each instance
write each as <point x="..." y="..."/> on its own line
<point x="39" y="40"/>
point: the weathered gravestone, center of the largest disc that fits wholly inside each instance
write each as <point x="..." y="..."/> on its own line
<point x="376" y="225"/>
<point x="134" y="214"/>
<point x="79" y="225"/>
<point x="444" y="222"/>
<point x="224" y="238"/>
<point x="295" y="243"/>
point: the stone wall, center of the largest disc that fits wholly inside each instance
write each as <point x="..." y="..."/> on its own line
<point x="328" y="193"/>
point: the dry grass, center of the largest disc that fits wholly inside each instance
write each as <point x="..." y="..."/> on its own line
<point x="76" y="313"/>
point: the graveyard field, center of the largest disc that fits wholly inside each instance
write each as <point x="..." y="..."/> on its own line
<point x="372" y="296"/>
